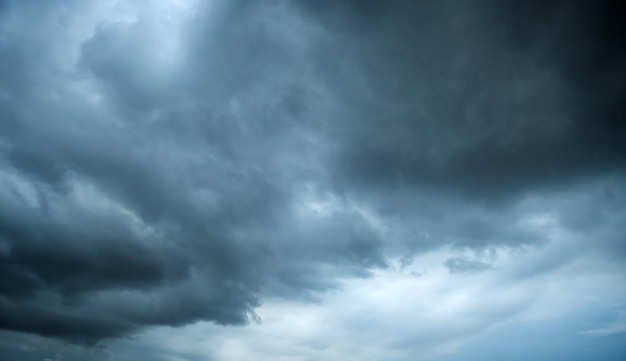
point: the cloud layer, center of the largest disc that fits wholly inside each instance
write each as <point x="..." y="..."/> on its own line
<point x="188" y="161"/>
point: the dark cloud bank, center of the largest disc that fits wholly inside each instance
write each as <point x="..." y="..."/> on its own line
<point x="140" y="190"/>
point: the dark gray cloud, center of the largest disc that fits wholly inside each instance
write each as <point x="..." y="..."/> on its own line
<point x="162" y="173"/>
<point x="165" y="207"/>
<point x="484" y="99"/>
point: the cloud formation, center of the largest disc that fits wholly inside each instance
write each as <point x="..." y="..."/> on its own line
<point x="190" y="161"/>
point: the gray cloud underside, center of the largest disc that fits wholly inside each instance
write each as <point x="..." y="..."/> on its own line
<point x="140" y="190"/>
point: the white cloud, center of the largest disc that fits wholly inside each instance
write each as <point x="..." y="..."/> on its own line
<point x="407" y="312"/>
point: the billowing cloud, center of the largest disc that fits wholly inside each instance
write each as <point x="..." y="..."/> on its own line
<point x="353" y="164"/>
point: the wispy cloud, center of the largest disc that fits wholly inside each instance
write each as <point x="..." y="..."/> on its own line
<point x="615" y="327"/>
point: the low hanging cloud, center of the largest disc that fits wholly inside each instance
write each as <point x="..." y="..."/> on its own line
<point x="182" y="161"/>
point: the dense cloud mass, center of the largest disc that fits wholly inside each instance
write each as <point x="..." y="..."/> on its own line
<point x="169" y="162"/>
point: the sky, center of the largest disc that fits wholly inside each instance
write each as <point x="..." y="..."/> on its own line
<point x="291" y="180"/>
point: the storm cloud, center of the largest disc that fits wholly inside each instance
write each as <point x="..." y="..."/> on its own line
<point x="173" y="162"/>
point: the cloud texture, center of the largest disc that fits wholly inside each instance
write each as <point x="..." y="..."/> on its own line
<point x="182" y="161"/>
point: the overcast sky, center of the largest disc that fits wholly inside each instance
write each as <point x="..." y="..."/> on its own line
<point x="291" y="180"/>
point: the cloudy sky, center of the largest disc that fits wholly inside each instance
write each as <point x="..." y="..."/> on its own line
<point x="301" y="180"/>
